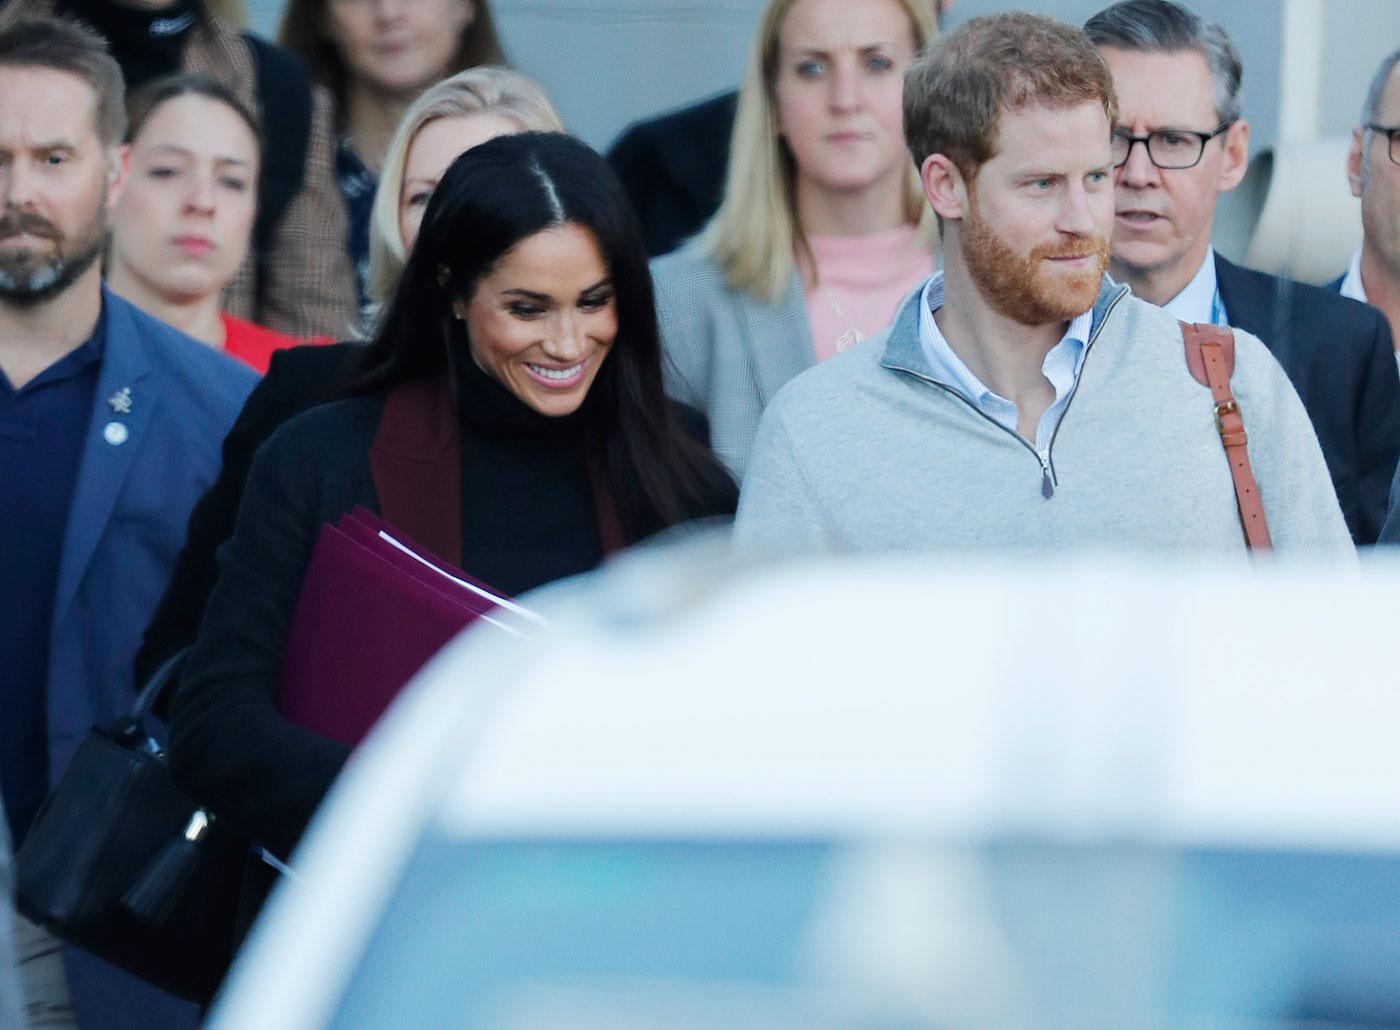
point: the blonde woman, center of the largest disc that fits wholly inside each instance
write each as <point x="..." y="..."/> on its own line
<point x="823" y="228"/>
<point x="449" y="119"/>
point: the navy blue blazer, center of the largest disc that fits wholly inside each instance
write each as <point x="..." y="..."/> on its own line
<point x="141" y="471"/>
<point x="1338" y="354"/>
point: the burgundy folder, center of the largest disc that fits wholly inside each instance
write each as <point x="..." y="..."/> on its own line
<point x="369" y="616"/>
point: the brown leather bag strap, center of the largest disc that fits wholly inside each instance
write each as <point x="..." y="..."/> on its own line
<point x="1210" y="356"/>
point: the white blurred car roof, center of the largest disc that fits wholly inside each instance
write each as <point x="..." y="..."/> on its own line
<point x="676" y="693"/>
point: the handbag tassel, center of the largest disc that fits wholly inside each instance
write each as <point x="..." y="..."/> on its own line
<point x="153" y="894"/>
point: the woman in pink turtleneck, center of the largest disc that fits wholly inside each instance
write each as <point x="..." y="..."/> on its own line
<point x="823" y="229"/>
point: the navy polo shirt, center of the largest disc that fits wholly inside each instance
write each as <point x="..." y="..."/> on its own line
<point x="42" y="429"/>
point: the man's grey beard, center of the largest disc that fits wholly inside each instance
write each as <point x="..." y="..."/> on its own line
<point x="25" y="286"/>
<point x="28" y="288"/>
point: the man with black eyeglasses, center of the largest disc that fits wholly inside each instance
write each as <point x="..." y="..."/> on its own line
<point x="1178" y="144"/>
<point x="1373" y="168"/>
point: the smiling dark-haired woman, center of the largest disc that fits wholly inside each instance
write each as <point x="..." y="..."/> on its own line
<point x="519" y="358"/>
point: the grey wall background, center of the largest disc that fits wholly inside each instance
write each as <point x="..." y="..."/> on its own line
<point x="607" y="63"/>
<point x="1357" y="35"/>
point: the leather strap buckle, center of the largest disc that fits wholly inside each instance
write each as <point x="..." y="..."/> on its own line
<point x="1210" y="358"/>
<point x="1221" y="410"/>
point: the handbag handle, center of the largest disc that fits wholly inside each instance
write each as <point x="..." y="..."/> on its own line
<point x="150" y="692"/>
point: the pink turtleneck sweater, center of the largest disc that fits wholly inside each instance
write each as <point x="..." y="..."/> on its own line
<point x="861" y="280"/>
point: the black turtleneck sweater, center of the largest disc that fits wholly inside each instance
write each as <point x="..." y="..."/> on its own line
<point x="527" y="507"/>
<point x="527" y="519"/>
<point x="146" y="43"/>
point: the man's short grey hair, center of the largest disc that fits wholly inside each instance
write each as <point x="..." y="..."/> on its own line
<point x="1160" y="26"/>
<point x="1371" y="110"/>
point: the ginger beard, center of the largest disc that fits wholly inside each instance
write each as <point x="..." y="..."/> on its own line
<point x="1024" y="286"/>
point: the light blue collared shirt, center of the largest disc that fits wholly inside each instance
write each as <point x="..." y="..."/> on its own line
<point x="1061" y="367"/>
<point x="1199" y="300"/>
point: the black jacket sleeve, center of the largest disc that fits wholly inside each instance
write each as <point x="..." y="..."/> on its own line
<point x="229" y="746"/>
<point x="296" y="380"/>
<point x="673" y="167"/>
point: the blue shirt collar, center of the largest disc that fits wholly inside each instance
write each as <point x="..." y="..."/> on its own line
<point x="903" y="350"/>
<point x="947" y="367"/>
<point x="1060" y="368"/>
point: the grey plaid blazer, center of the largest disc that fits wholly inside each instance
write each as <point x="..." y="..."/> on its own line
<point x="726" y="352"/>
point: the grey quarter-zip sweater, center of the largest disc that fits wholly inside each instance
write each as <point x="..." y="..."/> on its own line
<point x="870" y="452"/>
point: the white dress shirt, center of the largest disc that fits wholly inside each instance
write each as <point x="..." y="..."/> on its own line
<point x="1199" y="300"/>
<point x="1351" y="282"/>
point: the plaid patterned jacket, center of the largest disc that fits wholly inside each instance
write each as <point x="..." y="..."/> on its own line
<point x="311" y="287"/>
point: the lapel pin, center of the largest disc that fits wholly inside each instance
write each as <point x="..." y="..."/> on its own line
<point x="121" y="402"/>
<point x="115" y="433"/>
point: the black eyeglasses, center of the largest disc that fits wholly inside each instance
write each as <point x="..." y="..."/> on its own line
<point x="1389" y="134"/>
<point x="1168" y="149"/>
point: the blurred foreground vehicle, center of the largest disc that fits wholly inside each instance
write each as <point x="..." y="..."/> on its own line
<point x="871" y="794"/>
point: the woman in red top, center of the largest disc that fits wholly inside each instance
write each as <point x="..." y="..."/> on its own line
<point x="181" y="227"/>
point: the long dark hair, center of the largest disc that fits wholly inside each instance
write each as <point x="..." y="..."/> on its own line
<point x="492" y="197"/>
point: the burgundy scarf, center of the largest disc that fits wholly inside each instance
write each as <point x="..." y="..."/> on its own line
<point x="415" y="462"/>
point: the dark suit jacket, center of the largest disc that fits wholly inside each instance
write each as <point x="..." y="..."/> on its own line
<point x="673" y="169"/>
<point x="1338" y="354"/>
<point x="298" y="378"/>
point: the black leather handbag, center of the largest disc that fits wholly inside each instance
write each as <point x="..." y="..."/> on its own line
<point x="121" y="863"/>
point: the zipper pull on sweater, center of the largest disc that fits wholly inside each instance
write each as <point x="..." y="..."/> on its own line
<point x="1047" y="484"/>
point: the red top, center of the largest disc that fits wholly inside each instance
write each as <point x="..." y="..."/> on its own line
<point x="253" y="345"/>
